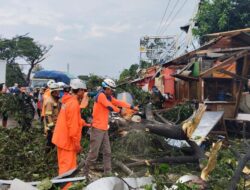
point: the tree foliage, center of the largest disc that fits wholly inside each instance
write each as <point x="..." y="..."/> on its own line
<point x="14" y="75"/>
<point x="129" y="73"/>
<point x="25" y="48"/>
<point x="9" y="50"/>
<point x="145" y="64"/>
<point x="221" y="15"/>
<point x="22" y="155"/>
<point x="32" y="52"/>
<point x="37" y="68"/>
<point x="19" y="107"/>
<point x="94" y="81"/>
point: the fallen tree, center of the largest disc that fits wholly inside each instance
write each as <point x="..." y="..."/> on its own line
<point x="166" y="130"/>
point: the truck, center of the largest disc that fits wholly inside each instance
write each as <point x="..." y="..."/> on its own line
<point x="41" y="78"/>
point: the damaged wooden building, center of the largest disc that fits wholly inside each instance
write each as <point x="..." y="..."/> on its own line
<point x="216" y="73"/>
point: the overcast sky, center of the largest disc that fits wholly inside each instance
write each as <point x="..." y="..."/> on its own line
<point x="94" y="36"/>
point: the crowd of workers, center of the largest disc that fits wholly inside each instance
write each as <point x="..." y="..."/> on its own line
<point x="59" y="108"/>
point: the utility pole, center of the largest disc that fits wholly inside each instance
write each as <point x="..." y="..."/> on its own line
<point x="67" y="68"/>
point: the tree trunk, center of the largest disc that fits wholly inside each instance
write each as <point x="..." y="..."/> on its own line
<point x="236" y="177"/>
<point x="32" y="65"/>
<point x="198" y="154"/>
<point x="167" y="130"/>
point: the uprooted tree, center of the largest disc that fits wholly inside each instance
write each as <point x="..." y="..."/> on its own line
<point x="167" y="129"/>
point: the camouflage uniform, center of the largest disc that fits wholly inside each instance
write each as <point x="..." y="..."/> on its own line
<point x="27" y="111"/>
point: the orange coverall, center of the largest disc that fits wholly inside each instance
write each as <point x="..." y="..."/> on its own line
<point x="67" y="135"/>
<point x="65" y="97"/>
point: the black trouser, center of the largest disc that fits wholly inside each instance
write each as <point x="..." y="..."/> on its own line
<point x="4" y="119"/>
<point x="39" y="113"/>
<point x="49" y="144"/>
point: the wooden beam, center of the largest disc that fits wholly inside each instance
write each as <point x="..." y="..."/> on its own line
<point x="228" y="32"/>
<point x="185" y="78"/>
<point x="233" y="58"/>
<point x="221" y="50"/>
<point x="190" y="54"/>
<point x="233" y="75"/>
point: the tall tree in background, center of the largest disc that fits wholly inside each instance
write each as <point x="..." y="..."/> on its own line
<point x="32" y="52"/>
<point x="37" y="68"/>
<point x="221" y="15"/>
<point x="9" y="50"/>
<point x="14" y="75"/>
<point x="25" y="48"/>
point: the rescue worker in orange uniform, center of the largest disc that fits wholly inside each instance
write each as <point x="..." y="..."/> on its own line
<point x="52" y="108"/>
<point x="67" y="133"/>
<point x="99" y="138"/>
<point x="66" y="93"/>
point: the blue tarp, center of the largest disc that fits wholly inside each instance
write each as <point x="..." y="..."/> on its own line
<point x="58" y="76"/>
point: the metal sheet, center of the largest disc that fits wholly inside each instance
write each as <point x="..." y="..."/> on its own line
<point x="243" y="117"/>
<point x="207" y="123"/>
<point x="2" y="71"/>
<point x="68" y="173"/>
<point x="17" y="184"/>
<point x="34" y="183"/>
<point x="115" y="183"/>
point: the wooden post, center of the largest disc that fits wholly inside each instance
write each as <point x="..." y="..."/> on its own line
<point x="244" y="74"/>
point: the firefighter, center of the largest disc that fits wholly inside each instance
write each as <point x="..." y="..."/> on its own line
<point x="99" y="137"/>
<point x="51" y="111"/>
<point x="46" y="95"/>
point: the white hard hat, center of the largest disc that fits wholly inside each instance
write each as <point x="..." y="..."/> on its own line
<point x="50" y="82"/>
<point x="54" y="87"/>
<point x="61" y="84"/>
<point x="78" y="84"/>
<point x="109" y="83"/>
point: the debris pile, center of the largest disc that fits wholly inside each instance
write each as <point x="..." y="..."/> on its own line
<point x="23" y="155"/>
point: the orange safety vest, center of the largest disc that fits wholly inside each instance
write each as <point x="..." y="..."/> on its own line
<point x="102" y="106"/>
<point x="69" y="125"/>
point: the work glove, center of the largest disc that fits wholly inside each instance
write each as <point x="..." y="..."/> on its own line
<point x="88" y="124"/>
<point x="46" y="129"/>
<point x="135" y="108"/>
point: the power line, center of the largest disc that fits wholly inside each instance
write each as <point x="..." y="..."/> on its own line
<point x="166" y="21"/>
<point x="176" y="14"/>
<point x="179" y="43"/>
<point x="159" y="28"/>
